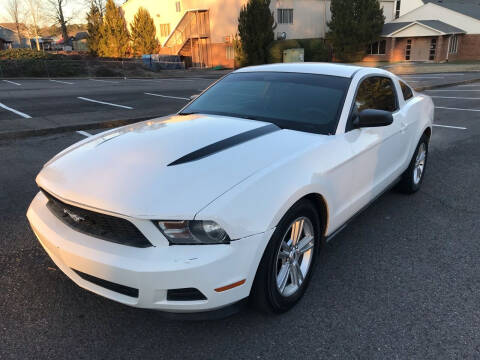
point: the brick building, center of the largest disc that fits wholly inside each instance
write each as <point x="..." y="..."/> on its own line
<point x="440" y="30"/>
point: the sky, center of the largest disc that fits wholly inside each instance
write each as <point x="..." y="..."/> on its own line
<point x="75" y="8"/>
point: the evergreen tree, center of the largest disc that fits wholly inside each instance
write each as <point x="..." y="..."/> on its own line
<point x="255" y="28"/>
<point x="354" y="24"/>
<point x="114" y="33"/>
<point x="143" y="33"/>
<point x="94" y="25"/>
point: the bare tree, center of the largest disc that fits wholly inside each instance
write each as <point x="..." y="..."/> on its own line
<point x="99" y="4"/>
<point x="59" y="16"/>
<point x="13" y="10"/>
<point x="35" y="12"/>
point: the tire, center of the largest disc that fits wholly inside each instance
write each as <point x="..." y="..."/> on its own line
<point x="269" y="294"/>
<point x="412" y="178"/>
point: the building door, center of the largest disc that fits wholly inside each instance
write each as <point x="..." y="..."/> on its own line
<point x="420" y="49"/>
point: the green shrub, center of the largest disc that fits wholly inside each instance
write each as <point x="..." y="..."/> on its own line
<point x="315" y="50"/>
<point x="275" y="50"/>
<point x="104" y="71"/>
<point x="20" y="54"/>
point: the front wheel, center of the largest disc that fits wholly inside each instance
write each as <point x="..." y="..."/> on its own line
<point x="412" y="178"/>
<point x="288" y="261"/>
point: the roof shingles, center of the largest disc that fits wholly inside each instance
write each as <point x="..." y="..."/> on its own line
<point x="438" y="25"/>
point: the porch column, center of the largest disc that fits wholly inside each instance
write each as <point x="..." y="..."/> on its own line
<point x="392" y="49"/>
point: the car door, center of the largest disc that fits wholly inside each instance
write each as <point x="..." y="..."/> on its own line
<point x="378" y="152"/>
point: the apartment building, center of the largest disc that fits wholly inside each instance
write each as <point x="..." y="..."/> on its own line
<point x="202" y="31"/>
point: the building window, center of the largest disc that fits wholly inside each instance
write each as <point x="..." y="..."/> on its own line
<point x="452" y="49"/>
<point x="397" y="9"/>
<point x="285" y="16"/>
<point x="230" y="53"/>
<point x="377" y="48"/>
<point x="164" y="30"/>
<point x="178" y="6"/>
<point x="433" y="49"/>
<point x="408" y="48"/>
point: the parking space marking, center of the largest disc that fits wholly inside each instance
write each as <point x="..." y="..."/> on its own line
<point x="451" y="90"/>
<point x="84" y="133"/>
<point x="26" y="116"/>
<point x="104" y="103"/>
<point x="450" y="127"/>
<point x="12" y="82"/>
<point x="423" y="77"/>
<point x="455" y="97"/>
<point x="470" y="85"/>
<point x="459" y="109"/>
<point x="166" y="96"/>
<point x="62" y="82"/>
<point x="108" y="81"/>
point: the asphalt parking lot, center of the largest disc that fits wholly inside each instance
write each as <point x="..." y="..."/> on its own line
<point x="401" y="282"/>
<point x="46" y="104"/>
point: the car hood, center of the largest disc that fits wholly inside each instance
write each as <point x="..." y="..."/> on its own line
<point x="126" y="171"/>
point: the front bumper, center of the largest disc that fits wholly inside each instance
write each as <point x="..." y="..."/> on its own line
<point x="152" y="270"/>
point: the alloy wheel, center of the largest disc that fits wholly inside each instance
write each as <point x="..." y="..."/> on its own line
<point x="419" y="163"/>
<point x="294" y="256"/>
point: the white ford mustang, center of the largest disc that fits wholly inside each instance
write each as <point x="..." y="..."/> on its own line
<point x="233" y="196"/>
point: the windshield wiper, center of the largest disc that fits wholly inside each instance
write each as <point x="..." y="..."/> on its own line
<point x="188" y="113"/>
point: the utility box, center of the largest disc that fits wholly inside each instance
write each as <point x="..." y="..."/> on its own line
<point x="294" y="55"/>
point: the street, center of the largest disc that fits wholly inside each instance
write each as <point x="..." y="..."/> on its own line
<point x="401" y="281"/>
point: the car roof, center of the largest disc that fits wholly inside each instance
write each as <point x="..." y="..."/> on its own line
<point x="307" y="68"/>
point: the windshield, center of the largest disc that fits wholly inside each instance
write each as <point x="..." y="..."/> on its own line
<point x="307" y="102"/>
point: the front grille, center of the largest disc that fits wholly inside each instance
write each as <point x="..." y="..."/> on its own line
<point x="105" y="227"/>
<point x="121" y="289"/>
<point x="185" y="294"/>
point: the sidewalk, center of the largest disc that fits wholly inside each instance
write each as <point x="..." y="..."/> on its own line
<point x="404" y="68"/>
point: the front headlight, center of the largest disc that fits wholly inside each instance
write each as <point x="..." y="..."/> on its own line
<point x="193" y="232"/>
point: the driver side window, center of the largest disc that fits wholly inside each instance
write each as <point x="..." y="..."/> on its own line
<point x="376" y="92"/>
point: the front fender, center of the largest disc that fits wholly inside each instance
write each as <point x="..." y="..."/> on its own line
<point x="258" y="203"/>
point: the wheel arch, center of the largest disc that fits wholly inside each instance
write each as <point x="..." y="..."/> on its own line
<point x="322" y="208"/>
<point x="428" y="132"/>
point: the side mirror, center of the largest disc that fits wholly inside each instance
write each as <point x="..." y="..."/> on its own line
<point x="372" y="118"/>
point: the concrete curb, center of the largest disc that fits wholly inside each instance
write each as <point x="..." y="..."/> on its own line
<point x="116" y="123"/>
<point x="469" y="81"/>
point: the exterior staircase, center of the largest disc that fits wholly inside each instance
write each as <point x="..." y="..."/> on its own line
<point x="191" y="38"/>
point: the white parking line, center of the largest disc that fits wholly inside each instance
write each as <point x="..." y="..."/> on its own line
<point x="104" y="103"/>
<point x="166" y="96"/>
<point x="12" y="82"/>
<point x="455" y="97"/>
<point x="459" y="109"/>
<point x="26" y="116"/>
<point x="84" y="133"/>
<point x="450" y="127"/>
<point x="423" y="77"/>
<point x="108" y="81"/>
<point x="62" y="82"/>
<point x="451" y="90"/>
<point x="470" y="85"/>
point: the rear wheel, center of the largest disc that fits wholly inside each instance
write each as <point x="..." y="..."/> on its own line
<point x="412" y="178"/>
<point x="287" y="264"/>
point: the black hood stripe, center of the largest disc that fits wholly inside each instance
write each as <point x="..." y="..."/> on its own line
<point x="225" y="144"/>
